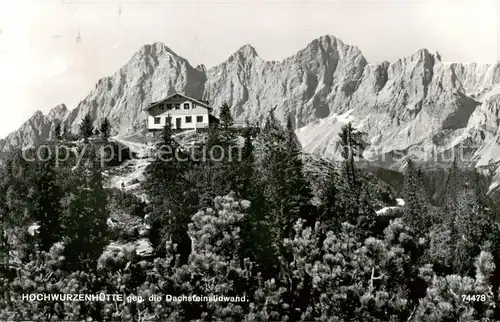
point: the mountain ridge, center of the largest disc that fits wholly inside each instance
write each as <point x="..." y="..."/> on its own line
<point x="416" y="101"/>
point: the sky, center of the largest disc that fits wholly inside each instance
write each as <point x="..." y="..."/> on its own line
<point x="42" y="64"/>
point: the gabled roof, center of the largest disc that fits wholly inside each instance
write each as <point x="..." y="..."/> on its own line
<point x="197" y="102"/>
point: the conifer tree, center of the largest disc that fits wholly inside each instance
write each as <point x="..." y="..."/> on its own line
<point x="86" y="127"/>
<point x="351" y="147"/>
<point x="5" y="224"/>
<point x="247" y="163"/>
<point x="166" y="134"/>
<point x="256" y="229"/>
<point x="222" y="163"/>
<point x="353" y="194"/>
<point x="472" y="223"/>
<point x="330" y="214"/>
<point x="57" y="131"/>
<point x="272" y="126"/>
<point x="158" y="174"/>
<point x="168" y="191"/>
<point x="65" y="132"/>
<point x="105" y="129"/>
<point x="18" y="175"/>
<point x="445" y="298"/>
<point x="227" y="132"/>
<point x="44" y="200"/>
<point x="298" y="186"/>
<point x="286" y="191"/>
<point x="454" y="185"/>
<point x="85" y="218"/>
<point x="226" y="117"/>
<point x="416" y="209"/>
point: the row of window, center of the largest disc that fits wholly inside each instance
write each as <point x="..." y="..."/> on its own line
<point x="175" y="106"/>
<point x="189" y="119"/>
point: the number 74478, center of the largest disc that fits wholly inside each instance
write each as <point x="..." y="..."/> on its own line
<point x="474" y="298"/>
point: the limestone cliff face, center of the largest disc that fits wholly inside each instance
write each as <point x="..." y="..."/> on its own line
<point x="307" y="86"/>
<point x="34" y="131"/>
<point x="152" y="73"/>
<point x="417" y="104"/>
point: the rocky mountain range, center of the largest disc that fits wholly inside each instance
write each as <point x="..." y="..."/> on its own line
<point x="417" y="105"/>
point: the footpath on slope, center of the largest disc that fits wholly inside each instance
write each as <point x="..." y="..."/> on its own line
<point x="129" y="176"/>
<point x="131" y="173"/>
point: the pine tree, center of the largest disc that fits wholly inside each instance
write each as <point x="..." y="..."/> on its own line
<point x="222" y="164"/>
<point x="44" y="201"/>
<point x="416" y="209"/>
<point x="226" y="134"/>
<point x="85" y="218"/>
<point x="18" y="177"/>
<point x="454" y="185"/>
<point x="225" y="115"/>
<point x="86" y="127"/>
<point x="169" y="193"/>
<point x="105" y="129"/>
<point x="5" y="224"/>
<point x="445" y="296"/>
<point x="272" y="126"/>
<point x="256" y="229"/>
<point x="156" y="174"/>
<point x="354" y="198"/>
<point x="292" y="142"/>
<point x="246" y="171"/>
<point x="286" y="191"/>
<point x="298" y="186"/>
<point x="66" y="132"/>
<point x="166" y="134"/>
<point x="330" y="214"/>
<point x="472" y="223"/>
<point x="351" y="147"/>
<point x="57" y="131"/>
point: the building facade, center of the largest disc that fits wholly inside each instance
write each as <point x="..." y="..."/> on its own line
<point x="185" y="112"/>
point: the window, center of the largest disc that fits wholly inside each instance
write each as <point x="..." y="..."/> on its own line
<point x="199" y="119"/>
<point x="177" y="106"/>
<point x="189" y="119"/>
<point x="161" y="107"/>
<point x="186" y="106"/>
<point x="157" y="120"/>
<point x="169" y="106"/>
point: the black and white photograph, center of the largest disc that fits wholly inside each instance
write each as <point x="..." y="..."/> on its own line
<point x="232" y="160"/>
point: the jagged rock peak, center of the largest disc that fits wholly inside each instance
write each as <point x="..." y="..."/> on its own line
<point x="156" y="49"/>
<point x="201" y="68"/>
<point x="329" y="40"/>
<point x="327" y="44"/>
<point x="423" y="54"/>
<point x="58" y="112"/>
<point x="438" y="56"/>
<point x="37" y="114"/>
<point x="246" y="52"/>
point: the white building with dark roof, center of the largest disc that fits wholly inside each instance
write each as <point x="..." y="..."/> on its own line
<point x="186" y="113"/>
